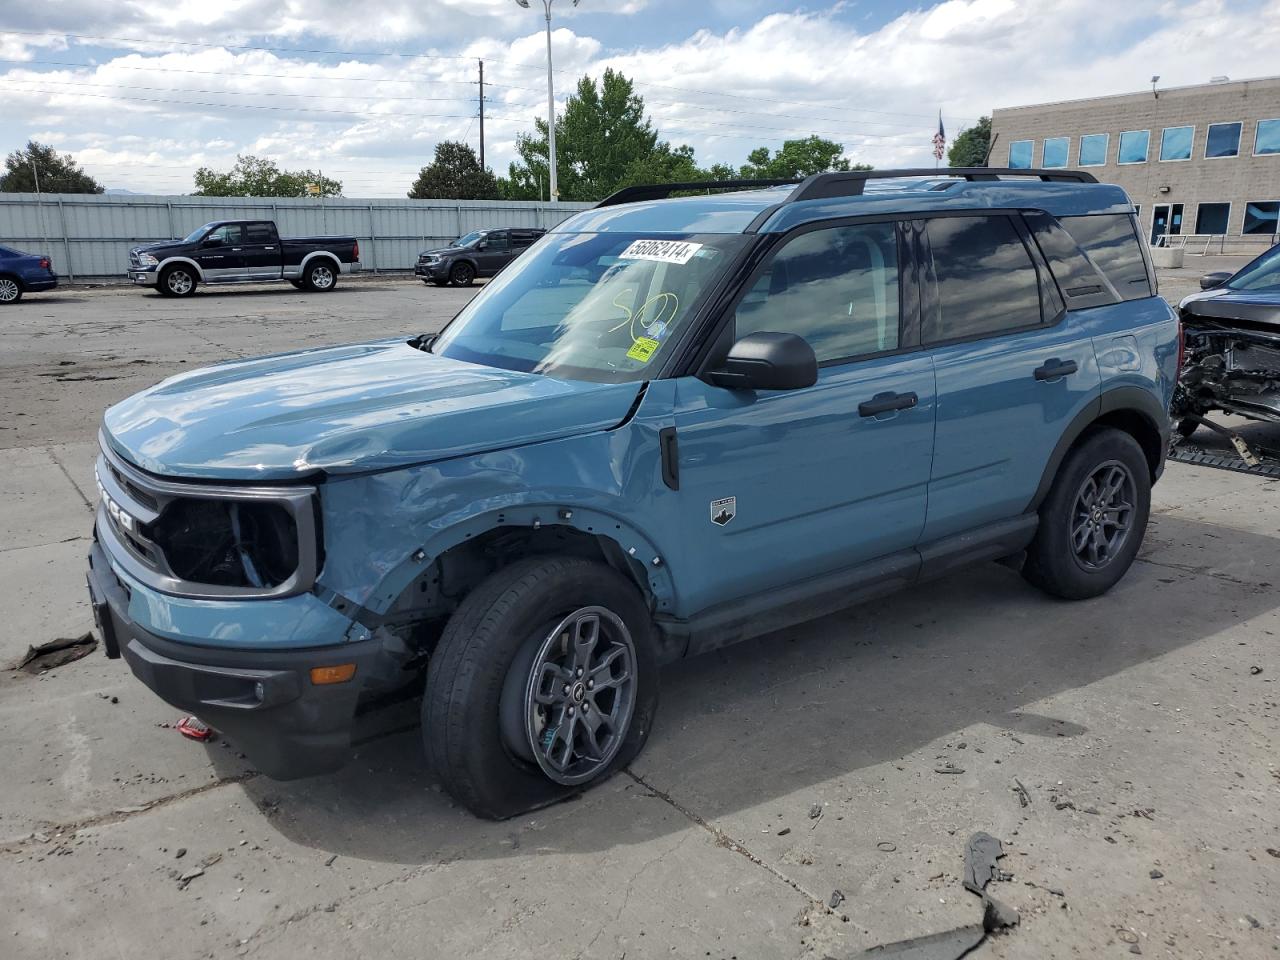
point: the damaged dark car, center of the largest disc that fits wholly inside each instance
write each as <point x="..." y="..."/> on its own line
<point x="1232" y="346"/>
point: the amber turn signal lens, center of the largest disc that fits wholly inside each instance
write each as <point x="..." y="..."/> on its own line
<point x="339" y="674"/>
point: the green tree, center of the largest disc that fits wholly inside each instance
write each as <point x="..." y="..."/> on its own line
<point x="259" y="177"/>
<point x="455" y="174"/>
<point x="971" y="145"/>
<point x="603" y="142"/>
<point x="797" y="159"/>
<point x="57" y="174"/>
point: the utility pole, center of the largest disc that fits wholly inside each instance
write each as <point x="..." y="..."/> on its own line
<point x="554" y="189"/>
<point x="482" y="115"/>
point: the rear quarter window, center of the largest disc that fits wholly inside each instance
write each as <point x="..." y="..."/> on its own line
<point x="1111" y="242"/>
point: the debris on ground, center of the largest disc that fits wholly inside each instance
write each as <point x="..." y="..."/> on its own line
<point x="886" y="846"/>
<point x="784" y="831"/>
<point x="947" y="945"/>
<point x="329" y="861"/>
<point x="980" y="856"/>
<point x="948" y="768"/>
<point x="815" y="811"/>
<point x="186" y="878"/>
<point x="1156" y="875"/>
<point x="1024" y="798"/>
<point x="837" y="898"/>
<point x="57" y="653"/>
<point x="194" y="729"/>
<point x="997" y="915"/>
<point x="1255" y="670"/>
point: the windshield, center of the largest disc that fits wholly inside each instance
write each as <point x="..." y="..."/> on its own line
<point x="590" y="306"/>
<point x="1262" y="274"/>
<point x="197" y="233"/>
<point x="468" y="240"/>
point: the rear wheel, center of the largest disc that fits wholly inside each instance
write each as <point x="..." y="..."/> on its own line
<point x="178" y="281"/>
<point x="321" y="277"/>
<point x="1094" y="518"/>
<point x="462" y="275"/>
<point x="544" y="682"/>
<point x="10" y="290"/>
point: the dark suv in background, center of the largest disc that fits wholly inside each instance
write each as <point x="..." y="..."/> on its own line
<point x="479" y="254"/>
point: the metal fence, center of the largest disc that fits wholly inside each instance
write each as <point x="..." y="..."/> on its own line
<point x="89" y="235"/>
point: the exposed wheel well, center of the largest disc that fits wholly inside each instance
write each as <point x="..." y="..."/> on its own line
<point x="423" y="608"/>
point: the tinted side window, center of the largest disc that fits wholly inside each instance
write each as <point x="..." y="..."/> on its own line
<point x="1112" y="243"/>
<point x="229" y="234"/>
<point x="521" y="240"/>
<point x="985" y="279"/>
<point x="497" y="241"/>
<point x="837" y="288"/>
<point x="259" y="233"/>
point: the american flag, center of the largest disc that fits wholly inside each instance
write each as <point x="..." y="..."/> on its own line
<point x="939" y="139"/>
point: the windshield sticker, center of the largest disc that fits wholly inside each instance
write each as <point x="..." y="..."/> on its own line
<point x="663" y="251"/>
<point x="643" y="349"/>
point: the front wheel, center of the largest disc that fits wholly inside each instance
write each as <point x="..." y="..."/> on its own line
<point x="545" y="681"/>
<point x="1094" y="518"/>
<point x="178" y="281"/>
<point x="321" y="277"/>
<point x="462" y="275"/>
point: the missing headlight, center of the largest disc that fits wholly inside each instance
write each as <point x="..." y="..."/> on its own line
<point x="230" y="543"/>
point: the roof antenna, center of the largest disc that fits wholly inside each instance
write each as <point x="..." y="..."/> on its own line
<point x="1154" y="92"/>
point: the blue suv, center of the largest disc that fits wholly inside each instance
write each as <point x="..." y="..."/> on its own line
<point x="673" y="423"/>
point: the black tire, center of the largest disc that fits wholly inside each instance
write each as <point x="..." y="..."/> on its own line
<point x="493" y="635"/>
<point x="1186" y="427"/>
<point x="299" y="284"/>
<point x="462" y="275"/>
<point x="10" y="290"/>
<point x="321" y="276"/>
<point x="177" y="281"/>
<point x="1053" y="562"/>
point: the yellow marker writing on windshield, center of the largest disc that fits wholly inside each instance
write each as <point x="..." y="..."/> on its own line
<point x="643" y="349"/>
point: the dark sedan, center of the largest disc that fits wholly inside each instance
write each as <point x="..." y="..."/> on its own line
<point x="1232" y="335"/>
<point x="22" y="273"/>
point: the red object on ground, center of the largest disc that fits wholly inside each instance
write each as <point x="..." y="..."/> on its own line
<point x="195" y="728"/>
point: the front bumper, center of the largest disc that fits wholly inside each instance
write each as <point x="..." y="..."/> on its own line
<point x="432" y="271"/>
<point x="262" y="700"/>
<point x="143" y="278"/>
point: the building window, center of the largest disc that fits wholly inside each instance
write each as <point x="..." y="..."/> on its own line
<point x="1056" y="150"/>
<point x="1093" y="149"/>
<point x="1020" y="153"/>
<point x="1262" y="216"/>
<point x="1222" y="140"/>
<point x="1213" y="217"/>
<point x="1133" y="146"/>
<point x="1175" y="143"/>
<point x="1267" y="139"/>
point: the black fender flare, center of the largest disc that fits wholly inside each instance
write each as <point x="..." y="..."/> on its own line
<point x="1135" y="400"/>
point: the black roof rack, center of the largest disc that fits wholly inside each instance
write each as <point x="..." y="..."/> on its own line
<point x="660" y="191"/>
<point x="822" y="186"/>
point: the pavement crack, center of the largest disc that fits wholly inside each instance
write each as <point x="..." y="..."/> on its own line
<point x="1202" y="572"/>
<point x="126" y="813"/>
<point x="723" y="839"/>
<point x="67" y="473"/>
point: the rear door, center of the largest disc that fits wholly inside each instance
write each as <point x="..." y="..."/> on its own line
<point x="1013" y="368"/>
<point x="221" y="253"/>
<point x="262" y="250"/>
<point x="780" y="486"/>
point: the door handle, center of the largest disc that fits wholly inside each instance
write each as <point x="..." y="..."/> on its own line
<point x="1055" y="368"/>
<point x="236" y="249"/>
<point x="887" y="403"/>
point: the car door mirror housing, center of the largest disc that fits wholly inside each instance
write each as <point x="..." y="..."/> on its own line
<point x="212" y="242"/>
<point x="767" y="361"/>
<point x="482" y="245"/>
<point x="1211" y="281"/>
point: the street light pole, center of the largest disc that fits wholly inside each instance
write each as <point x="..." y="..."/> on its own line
<point x="551" y="101"/>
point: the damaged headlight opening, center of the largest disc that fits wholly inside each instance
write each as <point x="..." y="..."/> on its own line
<point x="228" y="543"/>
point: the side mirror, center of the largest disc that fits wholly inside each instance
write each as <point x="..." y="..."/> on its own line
<point x="767" y="361"/>
<point x="1216" y="279"/>
<point x="212" y="242"/>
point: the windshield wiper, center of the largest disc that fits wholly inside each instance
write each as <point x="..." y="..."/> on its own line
<point x="424" y="341"/>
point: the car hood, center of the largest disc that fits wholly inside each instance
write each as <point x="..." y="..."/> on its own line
<point x="160" y="247"/>
<point x="445" y="251"/>
<point x="349" y="409"/>
<point x="1225" y="303"/>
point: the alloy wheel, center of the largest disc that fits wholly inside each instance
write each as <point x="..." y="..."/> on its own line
<point x="1103" y="514"/>
<point x="321" y="278"/>
<point x="9" y="290"/>
<point x="580" y="695"/>
<point x="179" y="282"/>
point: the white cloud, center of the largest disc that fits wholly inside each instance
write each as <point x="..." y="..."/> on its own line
<point x="371" y="121"/>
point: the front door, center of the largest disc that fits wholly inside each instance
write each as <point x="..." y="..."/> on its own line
<point x="1013" y="369"/>
<point x="780" y="486"/>
<point x="221" y="253"/>
<point x="1159" y="222"/>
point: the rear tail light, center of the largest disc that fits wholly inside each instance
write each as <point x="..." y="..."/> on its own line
<point x="356" y="254"/>
<point x="46" y="263"/>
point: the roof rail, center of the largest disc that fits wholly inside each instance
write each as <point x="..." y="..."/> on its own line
<point x="823" y="186"/>
<point x="660" y="191"/>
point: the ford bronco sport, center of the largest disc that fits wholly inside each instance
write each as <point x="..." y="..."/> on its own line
<point x="673" y="423"/>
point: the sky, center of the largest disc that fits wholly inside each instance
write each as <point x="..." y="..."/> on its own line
<point x="143" y="92"/>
